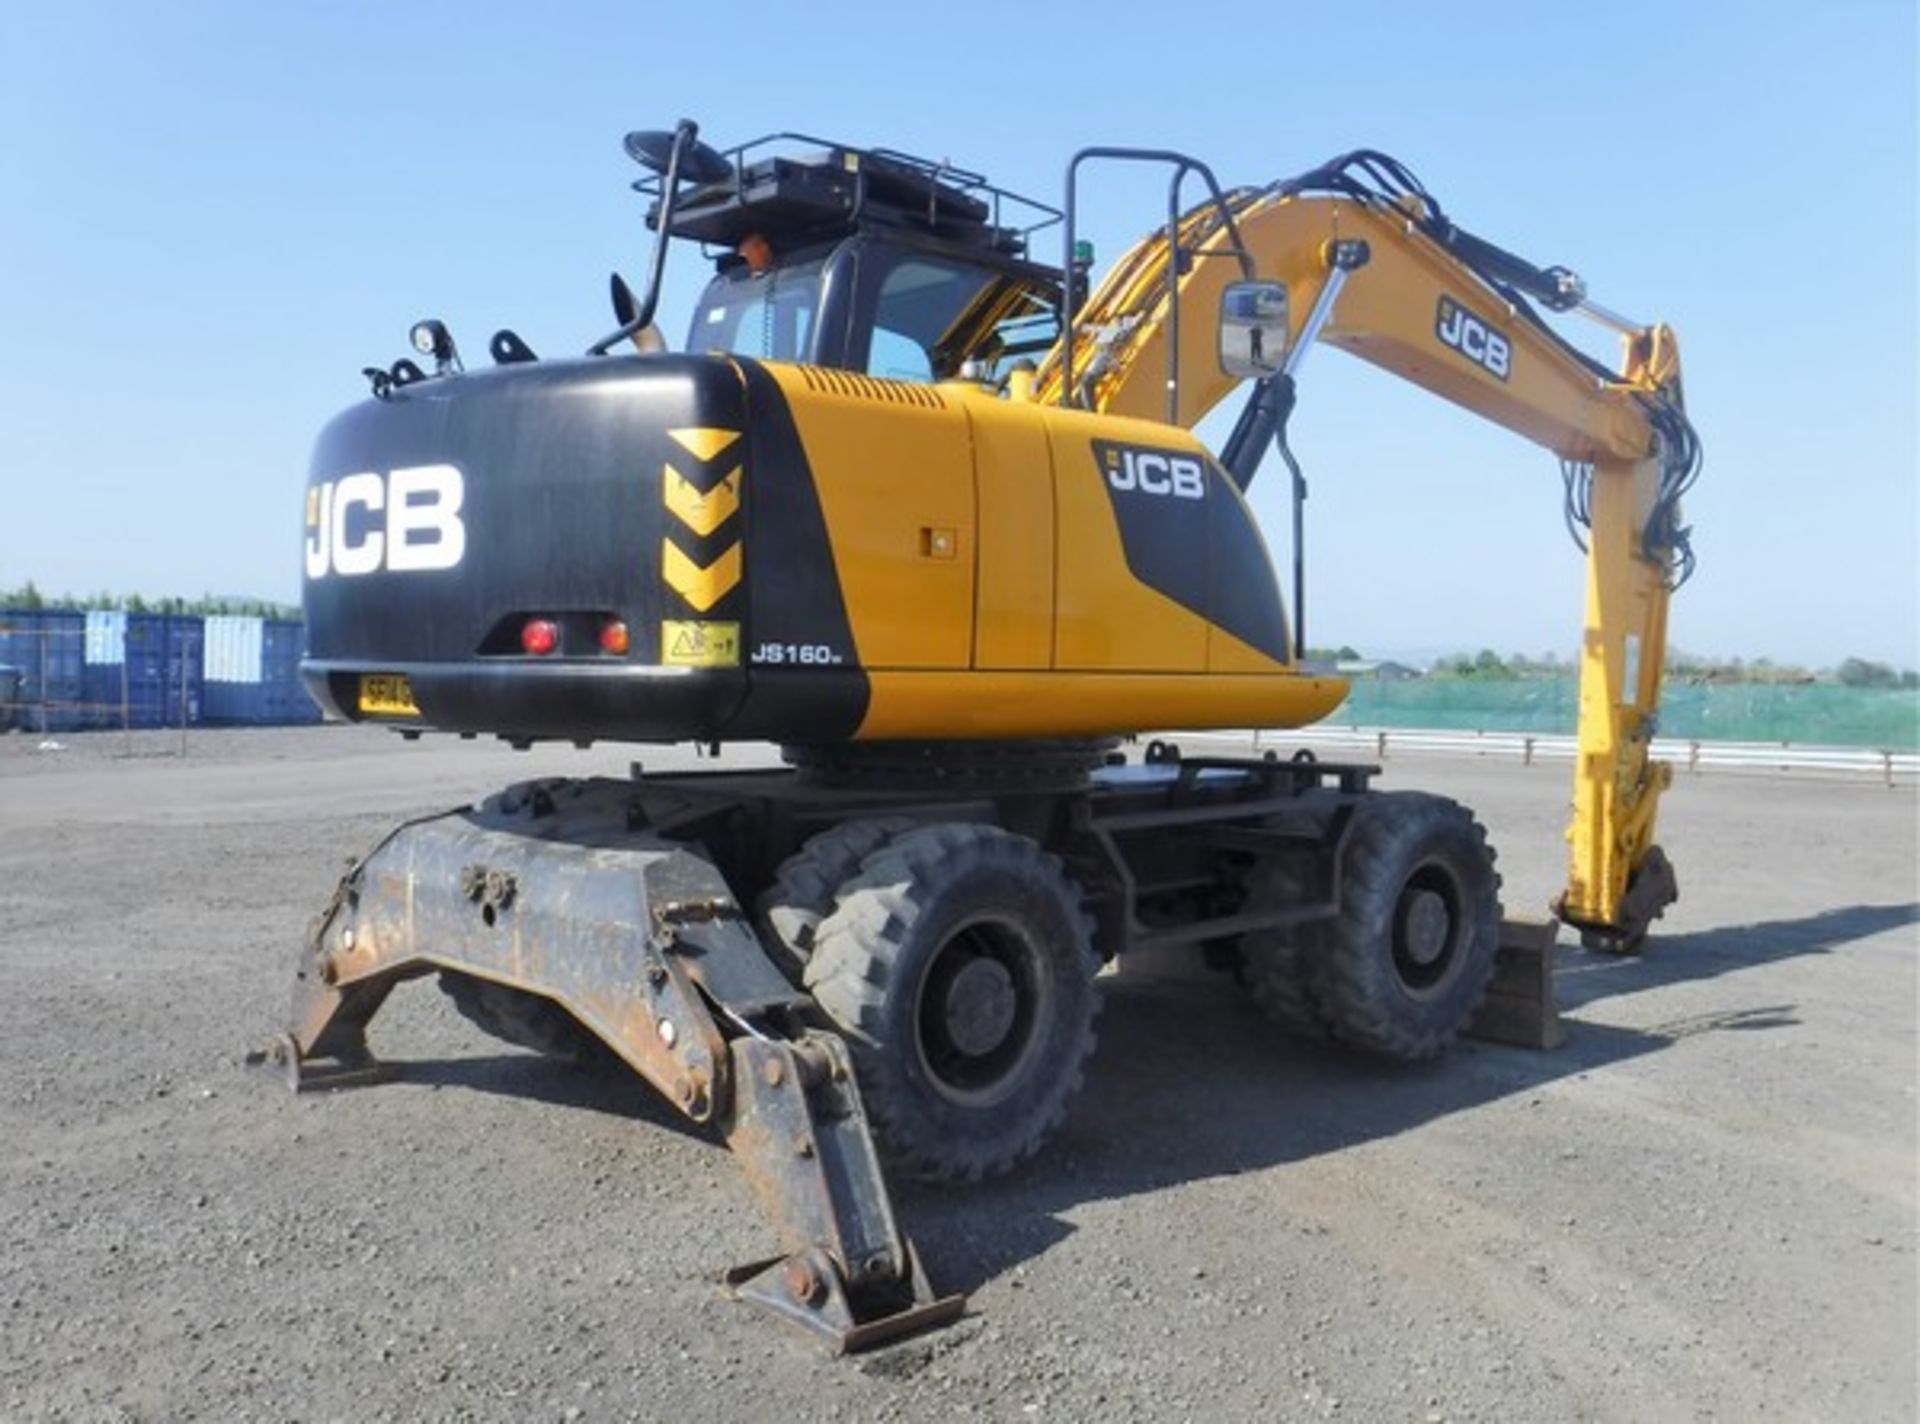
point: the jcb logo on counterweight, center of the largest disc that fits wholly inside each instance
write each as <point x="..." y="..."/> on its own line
<point x="1473" y="338"/>
<point x="404" y="522"/>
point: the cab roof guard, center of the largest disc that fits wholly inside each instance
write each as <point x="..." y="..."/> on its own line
<point x="800" y="185"/>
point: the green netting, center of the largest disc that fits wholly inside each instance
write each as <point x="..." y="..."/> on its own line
<point x="1811" y="715"/>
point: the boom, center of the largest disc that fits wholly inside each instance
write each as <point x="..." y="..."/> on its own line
<point x="1372" y="266"/>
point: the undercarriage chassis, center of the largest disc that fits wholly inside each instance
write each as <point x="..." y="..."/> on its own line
<point x="614" y="904"/>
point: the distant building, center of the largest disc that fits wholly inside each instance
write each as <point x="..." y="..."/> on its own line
<point x="1381" y="670"/>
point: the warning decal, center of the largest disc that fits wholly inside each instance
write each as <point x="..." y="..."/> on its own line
<point x="699" y="644"/>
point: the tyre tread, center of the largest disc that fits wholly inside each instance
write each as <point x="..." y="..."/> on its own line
<point x="857" y="950"/>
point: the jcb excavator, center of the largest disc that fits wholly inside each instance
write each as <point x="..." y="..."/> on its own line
<point x="927" y="512"/>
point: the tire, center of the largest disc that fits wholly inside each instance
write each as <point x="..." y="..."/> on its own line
<point x="522" y="1019"/>
<point x="790" y="910"/>
<point x="1275" y="965"/>
<point x="959" y="964"/>
<point x="1406" y="963"/>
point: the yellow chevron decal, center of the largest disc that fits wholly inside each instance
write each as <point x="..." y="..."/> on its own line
<point x="703" y="442"/>
<point x="702" y="587"/>
<point x="702" y="513"/>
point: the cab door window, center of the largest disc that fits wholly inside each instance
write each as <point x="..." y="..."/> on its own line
<point x="931" y="315"/>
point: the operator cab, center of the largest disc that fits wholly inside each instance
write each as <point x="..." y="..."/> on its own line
<point x="861" y="259"/>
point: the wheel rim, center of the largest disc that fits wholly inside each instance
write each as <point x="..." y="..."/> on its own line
<point x="1428" y="927"/>
<point x="979" y="1013"/>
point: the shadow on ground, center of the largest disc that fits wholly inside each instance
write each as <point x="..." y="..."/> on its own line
<point x="1190" y="1082"/>
<point x="1706" y="954"/>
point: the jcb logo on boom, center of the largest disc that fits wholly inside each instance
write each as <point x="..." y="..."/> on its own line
<point x="404" y="522"/>
<point x="1473" y="338"/>
<point x="1158" y="472"/>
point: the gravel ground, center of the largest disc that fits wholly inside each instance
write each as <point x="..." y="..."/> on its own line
<point x="1702" y="1207"/>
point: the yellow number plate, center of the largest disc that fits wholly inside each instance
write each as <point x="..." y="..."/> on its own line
<point x="388" y="693"/>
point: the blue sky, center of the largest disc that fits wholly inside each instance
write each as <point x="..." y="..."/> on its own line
<point x="215" y="214"/>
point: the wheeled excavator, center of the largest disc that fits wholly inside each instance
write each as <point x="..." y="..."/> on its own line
<point x="928" y="512"/>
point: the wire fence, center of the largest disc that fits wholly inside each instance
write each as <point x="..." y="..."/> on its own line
<point x="1892" y="768"/>
<point x="64" y="676"/>
<point x="1808" y="715"/>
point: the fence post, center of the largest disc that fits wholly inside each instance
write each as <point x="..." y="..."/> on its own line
<point x="126" y="699"/>
<point x="45" y="633"/>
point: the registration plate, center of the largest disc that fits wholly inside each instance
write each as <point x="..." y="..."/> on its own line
<point x="387" y="693"/>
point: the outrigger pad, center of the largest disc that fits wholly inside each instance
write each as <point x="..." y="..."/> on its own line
<point x="805" y="1290"/>
<point x="281" y="1055"/>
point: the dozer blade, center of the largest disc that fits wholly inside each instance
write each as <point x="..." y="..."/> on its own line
<point x="557" y="889"/>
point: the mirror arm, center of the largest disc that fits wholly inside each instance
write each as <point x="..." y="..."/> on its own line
<point x="684" y="134"/>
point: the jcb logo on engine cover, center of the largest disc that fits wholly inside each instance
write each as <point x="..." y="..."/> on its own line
<point x="1167" y="473"/>
<point x="405" y="522"/>
<point x="1473" y="338"/>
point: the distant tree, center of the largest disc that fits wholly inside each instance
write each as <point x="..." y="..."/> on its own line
<point x="1858" y="672"/>
<point x="1486" y="665"/>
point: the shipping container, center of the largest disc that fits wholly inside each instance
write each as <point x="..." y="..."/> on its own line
<point x="283" y="644"/>
<point x="10" y="706"/>
<point x="143" y="670"/>
<point x="109" y="669"/>
<point x="48" y="646"/>
<point x="253" y="673"/>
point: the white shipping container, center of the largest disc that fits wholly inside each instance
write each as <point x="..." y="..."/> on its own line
<point x="233" y="649"/>
<point x="106" y="637"/>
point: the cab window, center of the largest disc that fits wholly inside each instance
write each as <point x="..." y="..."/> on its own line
<point x="768" y="315"/>
<point x="931" y="315"/>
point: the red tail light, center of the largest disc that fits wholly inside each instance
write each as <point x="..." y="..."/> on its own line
<point x="540" y="636"/>
<point x="614" y="638"/>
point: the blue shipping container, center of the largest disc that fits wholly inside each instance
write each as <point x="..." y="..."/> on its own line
<point x="48" y="646"/>
<point x="143" y="669"/>
<point x="286" y="700"/>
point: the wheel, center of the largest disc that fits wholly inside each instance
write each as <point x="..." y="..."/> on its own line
<point x="1405" y="965"/>
<point x="1274" y="964"/>
<point x="959" y="963"/>
<point x="789" y="911"/>
<point x="522" y="1019"/>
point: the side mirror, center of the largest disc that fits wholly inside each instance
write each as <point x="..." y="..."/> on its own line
<point x="652" y="149"/>
<point x="1253" y="329"/>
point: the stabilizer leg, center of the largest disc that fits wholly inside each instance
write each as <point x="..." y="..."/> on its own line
<point x="549" y="890"/>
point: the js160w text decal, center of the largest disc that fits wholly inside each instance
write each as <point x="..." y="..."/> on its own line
<point x="404" y="522"/>
<point x="1473" y="338"/>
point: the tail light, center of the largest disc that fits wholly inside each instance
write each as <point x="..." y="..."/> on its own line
<point x="539" y="636"/>
<point x="614" y="638"/>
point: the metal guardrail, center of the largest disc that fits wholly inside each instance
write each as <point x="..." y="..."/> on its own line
<point x="1893" y="768"/>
